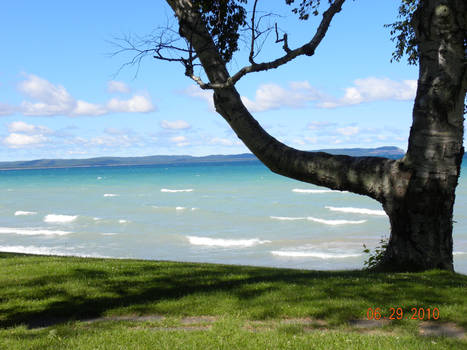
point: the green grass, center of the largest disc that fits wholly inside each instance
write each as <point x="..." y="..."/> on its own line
<point x="46" y="303"/>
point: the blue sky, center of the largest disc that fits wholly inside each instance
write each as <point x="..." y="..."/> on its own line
<point x="63" y="95"/>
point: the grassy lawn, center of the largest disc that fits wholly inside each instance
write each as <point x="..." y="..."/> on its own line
<point x="83" y="303"/>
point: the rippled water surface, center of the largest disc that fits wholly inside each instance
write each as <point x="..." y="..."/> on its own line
<point x="236" y="213"/>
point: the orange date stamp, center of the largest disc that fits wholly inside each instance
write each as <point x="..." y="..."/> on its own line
<point x="397" y="313"/>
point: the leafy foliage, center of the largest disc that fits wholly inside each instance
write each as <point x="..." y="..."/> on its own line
<point x="377" y="256"/>
<point x="306" y="7"/>
<point x="403" y="33"/>
<point x="223" y="19"/>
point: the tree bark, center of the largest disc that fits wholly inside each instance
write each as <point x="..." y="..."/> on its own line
<point x="421" y="220"/>
<point x="418" y="191"/>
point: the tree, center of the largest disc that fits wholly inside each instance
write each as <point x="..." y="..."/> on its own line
<point x="418" y="191"/>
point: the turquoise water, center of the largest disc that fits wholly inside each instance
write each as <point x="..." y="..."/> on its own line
<point x="221" y="213"/>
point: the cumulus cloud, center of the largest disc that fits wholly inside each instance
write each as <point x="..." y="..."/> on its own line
<point x="175" y="125"/>
<point x="118" y="86"/>
<point x="180" y="141"/>
<point x="83" y="108"/>
<point x="348" y="130"/>
<point x="273" y="96"/>
<point x="112" y="141"/>
<point x="23" y="135"/>
<point x="299" y="94"/>
<point x="15" y="140"/>
<point x="373" y="89"/>
<point x="6" y="109"/>
<point x="136" y="104"/>
<point x="54" y="100"/>
<point x="318" y="125"/>
<point x="196" y="91"/>
<point x="26" y="128"/>
<point x="224" y="141"/>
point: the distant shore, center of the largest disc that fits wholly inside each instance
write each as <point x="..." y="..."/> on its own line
<point x="387" y="152"/>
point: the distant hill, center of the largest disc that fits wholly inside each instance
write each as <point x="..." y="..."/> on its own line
<point x="388" y="152"/>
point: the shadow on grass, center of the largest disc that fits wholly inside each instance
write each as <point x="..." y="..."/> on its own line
<point x="80" y="289"/>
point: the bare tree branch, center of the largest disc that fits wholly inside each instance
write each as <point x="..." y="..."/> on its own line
<point x="284" y="39"/>
<point x="307" y="49"/>
<point x="253" y="34"/>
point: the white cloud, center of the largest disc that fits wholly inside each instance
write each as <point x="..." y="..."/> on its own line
<point x="112" y="141"/>
<point x="118" y="86"/>
<point x="54" y="100"/>
<point x="273" y="96"/>
<point x="316" y="125"/>
<point x="6" y="109"/>
<point x="84" y="108"/>
<point x="175" y="125"/>
<point x="136" y="104"/>
<point x="373" y="89"/>
<point x="23" y="127"/>
<point x="224" y="141"/>
<point x="15" y="140"/>
<point x="180" y="141"/>
<point x="196" y="91"/>
<point x="348" y="130"/>
<point x="298" y="94"/>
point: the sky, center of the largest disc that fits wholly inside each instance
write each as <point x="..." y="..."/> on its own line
<point x="64" y="93"/>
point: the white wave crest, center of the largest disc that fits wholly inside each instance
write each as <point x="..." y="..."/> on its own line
<point x="319" y="255"/>
<point x="45" y="251"/>
<point x="287" y="218"/>
<point x="110" y="195"/>
<point x="60" y="219"/>
<point x="180" y="208"/>
<point x="109" y="233"/>
<point x="219" y="242"/>
<point x="30" y="231"/>
<point x="20" y="213"/>
<point x="175" y="191"/>
<point x="299" y="190"/>
<point x="459" y="253"/>
<point x="314" y="191"/>
<point x="357" y="210"/>
<point x="122" y="221"/>
<point x="336" y="222"/>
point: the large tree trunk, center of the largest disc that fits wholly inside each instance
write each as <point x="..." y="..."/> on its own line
<point x="421" y="219"/>
<point x="417" y="192"/>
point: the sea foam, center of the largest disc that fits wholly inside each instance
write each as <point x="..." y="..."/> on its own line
<point x="299" y="190"/>
<point x="59" y="219"/>
<point x="61" y="251"/>
<point x="175" y="191"/>
<point x="357" y="210"/>
<point x="30" y="231"/>
<point x="20" y="213"/>
<point x="308" y="254"/>
<point x="287" y="218"/>
<point x="219" y="242"/>
<point x="336" y="222"/>
<point x="110" y="195"/>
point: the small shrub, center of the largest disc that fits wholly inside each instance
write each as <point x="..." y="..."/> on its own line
<point x="377" y="255"/>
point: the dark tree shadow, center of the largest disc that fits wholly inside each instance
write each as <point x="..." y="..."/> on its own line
<point x="142" y="284"/>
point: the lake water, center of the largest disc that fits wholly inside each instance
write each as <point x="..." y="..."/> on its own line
<point x="233" y="213"/>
